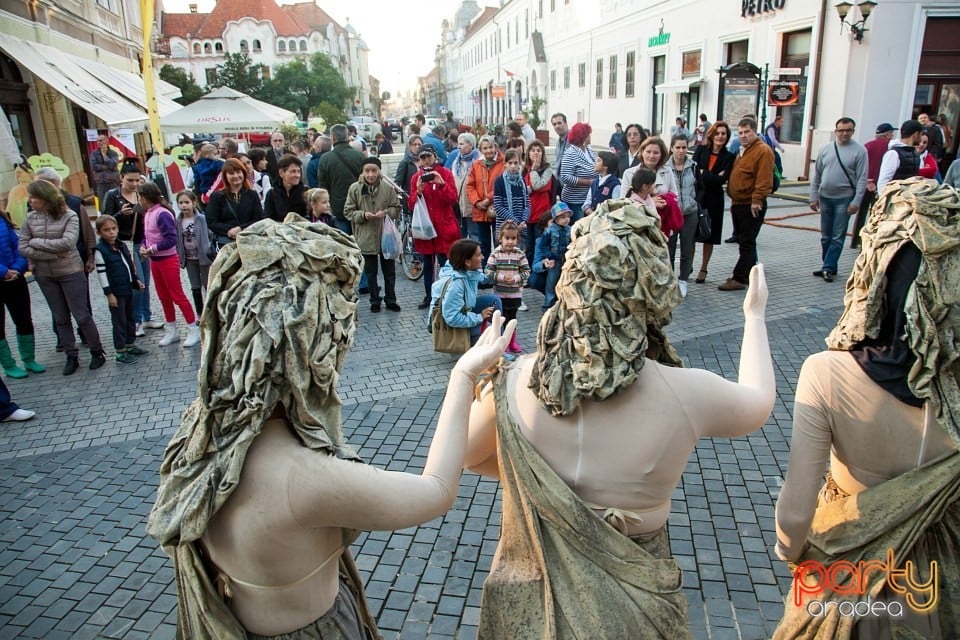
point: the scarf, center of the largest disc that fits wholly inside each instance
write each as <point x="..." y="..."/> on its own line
<point x="928" y="215"/>
<point x="462" y="166"/>
<point x="615" y="294"/>
<point x="511" y="180"/>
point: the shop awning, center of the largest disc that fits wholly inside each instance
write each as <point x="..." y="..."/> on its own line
<point x="71" y="81"/>
<point x="679" y="86"/>
<point x="131" y="85"/>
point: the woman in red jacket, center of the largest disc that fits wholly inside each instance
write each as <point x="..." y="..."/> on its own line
<point x="437" y="187"/>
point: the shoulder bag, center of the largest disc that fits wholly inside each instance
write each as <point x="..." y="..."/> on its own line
<point x="447" y="339"/>
<point x="844" y="169"/>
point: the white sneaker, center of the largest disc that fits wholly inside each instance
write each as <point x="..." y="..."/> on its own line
<point x="683" y="288"/>
<point x="193" y="336"/>
<point x="140" y="332"/>
<point x="154" y="324"/>
<point x="523" y="306"/>
<point x="19" y="415"/>
<point x="169" y="335"/>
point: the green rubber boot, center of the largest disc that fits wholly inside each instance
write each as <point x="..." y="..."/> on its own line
<point x="8" y="363"/>
<point x="27" y="347"/>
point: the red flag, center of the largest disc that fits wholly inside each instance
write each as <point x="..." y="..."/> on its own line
<point x="510" y="74"/>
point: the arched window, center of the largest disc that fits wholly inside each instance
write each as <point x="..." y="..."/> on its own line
<point x="292" y="45"/>
<point x="196" y="48"/>
<point x="303" y="45"/>
<point x="244" y="48"/>
<point x="256" y="45"/>
<point x="218" y="47"/>
<point x="207" y="48"/>
<point x="281" y="46"/>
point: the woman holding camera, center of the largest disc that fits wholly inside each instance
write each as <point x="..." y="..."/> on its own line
<point x="436" y="185"/>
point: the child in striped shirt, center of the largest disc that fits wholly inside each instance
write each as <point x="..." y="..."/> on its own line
<point x="508" y="270"/>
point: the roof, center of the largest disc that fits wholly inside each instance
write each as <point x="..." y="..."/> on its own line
<point x="485" y="17"/>
<point x="310" y="15"/>
<point x="213" y="24"/>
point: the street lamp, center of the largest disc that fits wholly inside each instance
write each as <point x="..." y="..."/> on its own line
<point x="857" y="28"/>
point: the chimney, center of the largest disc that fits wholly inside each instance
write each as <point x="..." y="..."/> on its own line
<point x="193" y="7"/>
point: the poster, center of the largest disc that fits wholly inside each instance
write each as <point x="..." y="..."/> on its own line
<point x="784" y="93"/>
<point x="121" y="141"/>
<point x="740" y="97"/>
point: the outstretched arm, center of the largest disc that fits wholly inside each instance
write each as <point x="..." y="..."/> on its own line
<point x="725" y="409"/>
<point x="338" y="493"/>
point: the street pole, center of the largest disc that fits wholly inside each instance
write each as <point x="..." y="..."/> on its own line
<point x="764" y="82"/>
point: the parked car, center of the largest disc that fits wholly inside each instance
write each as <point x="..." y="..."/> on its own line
<point x="366" y="126"/>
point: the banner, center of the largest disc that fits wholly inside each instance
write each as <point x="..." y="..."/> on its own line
<point x="784" y="93"/>
<point x="120" y="140"/>
<point x="147" y="15"/>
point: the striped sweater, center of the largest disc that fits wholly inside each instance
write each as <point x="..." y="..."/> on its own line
<point x="502" y="269"/>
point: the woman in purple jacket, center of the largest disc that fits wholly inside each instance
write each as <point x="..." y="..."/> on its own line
<point x="160" y="245"/>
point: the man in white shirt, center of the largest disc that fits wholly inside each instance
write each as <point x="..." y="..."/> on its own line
<point x="901" y="159"/>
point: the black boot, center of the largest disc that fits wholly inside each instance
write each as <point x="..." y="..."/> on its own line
<point x="73" y="363"/>
<point x="97" y="359"/>
<point x="424" y="304"/>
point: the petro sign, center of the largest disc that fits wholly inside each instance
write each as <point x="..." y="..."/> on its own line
<point x="758" y="7"/>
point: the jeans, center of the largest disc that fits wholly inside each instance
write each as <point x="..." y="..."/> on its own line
<point x="482" y="303"/>
<point x="576" y="211"/>
<point x="7" y="406"/>
<point x="687" y="236"/>
<point x="67" y="295"/>
<point x="485" y="238"/>
<point x="166" y="276"/>
<point x="141" y="299"/>
<point x="748" y="228"/>
<point x="533" y="234"/>
<point x="833" y="230"/>
<point x="389" y="268"/>
<point x="344" y="225"/>
<point x="550" y="290"/>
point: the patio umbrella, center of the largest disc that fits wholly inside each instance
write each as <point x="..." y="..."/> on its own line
<point x="224" y="110"/>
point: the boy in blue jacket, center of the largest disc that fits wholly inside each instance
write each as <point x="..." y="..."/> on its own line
<point x="551" y="248"/>
<point x="119" y="280"/>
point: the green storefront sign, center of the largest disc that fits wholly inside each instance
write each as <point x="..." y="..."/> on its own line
<point x="659" y="40"/>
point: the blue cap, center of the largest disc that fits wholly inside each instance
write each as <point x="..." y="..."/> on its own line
<point x="560" y="207"/>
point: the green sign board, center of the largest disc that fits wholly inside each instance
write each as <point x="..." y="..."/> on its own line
<point x="659" y="40"/>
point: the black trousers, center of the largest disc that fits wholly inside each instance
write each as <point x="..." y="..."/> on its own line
<point x="124" y="326"/>
<point x="389" y="268"/>
<point x="510" y="308"/>
<point x="15" y="296"/>
<point x="747" y="229"/>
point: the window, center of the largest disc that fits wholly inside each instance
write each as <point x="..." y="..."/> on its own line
<point x="612" y="90"/>
<point x="256" y="45"/>
<point x="795" y="53"/>
<point x="292" y="45"/>
<point x="553" y="5"/>
<point x="659" y="74"/>
<point x="281" y="46"/>
<point x="243" y="46"/>
<point x="553" y="79"/>
<point x="218" y="47"/>
<point x="526" y="24"/>
<point x="599" y="78"/>
<point x="566" y="77"/>
<point x="207" y="48"/>
<point x="582" y="75"/>
<point x="691" y="63"/>
<point x="196" y="48"/>
<point x="737" y="51"/>
<point x="109" y="5"/>
<point x="508" y="36"/>
<point x="211" y="75"/>
<point x="303" y="45"/>
<point x="628" y="80"/>
<point x="540" y="9"/>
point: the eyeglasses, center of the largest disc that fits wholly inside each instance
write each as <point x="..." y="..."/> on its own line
<point x="844" y="130"/>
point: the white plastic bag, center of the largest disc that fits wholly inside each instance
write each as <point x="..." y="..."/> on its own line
<point x="422" y="226"/>
<point x="390" y="241"/>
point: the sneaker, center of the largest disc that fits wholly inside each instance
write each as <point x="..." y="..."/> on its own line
<point x="140" y="332"/>
<point x="19" y="416"/>
<point x="393" y="306"/>
<point x="169" y="335"/>
<point x="683" y="288"/>
<point x="375" y="308"/>
<point x="125" y="358"/>
<point x="732" y="285"/>
<point x="97" y="359"/>
<point x="523" y="306"/>
<point x="154" y="324"/>
<point x="134" y="350"/>
<point x="193" y="336"/>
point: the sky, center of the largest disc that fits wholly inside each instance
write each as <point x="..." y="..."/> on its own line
<point x="402" y="36"/>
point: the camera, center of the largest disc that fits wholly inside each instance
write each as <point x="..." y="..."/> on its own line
<point x="186" y="157"/>
<point x="428" y="176"/>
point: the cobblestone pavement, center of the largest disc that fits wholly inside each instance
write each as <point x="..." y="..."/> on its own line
<point x="77" y="482"/>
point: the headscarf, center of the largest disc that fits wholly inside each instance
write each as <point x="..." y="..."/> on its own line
<point x="615" y="294"/>
<point x="928" y="215"/>
<point x="463" y="164"/>
<point x="280" y="316"/>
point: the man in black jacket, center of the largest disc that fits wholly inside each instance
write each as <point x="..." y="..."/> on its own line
<point x="288" y="197"/>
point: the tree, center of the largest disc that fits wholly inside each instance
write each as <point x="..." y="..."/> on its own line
<point x="240" y="74"/>
<point x="536" y="103"/>
<point x="190" y="91"/>
<point x="302" y="86"/>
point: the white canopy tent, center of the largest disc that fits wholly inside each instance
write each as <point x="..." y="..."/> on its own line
<point x="224" y="110"/>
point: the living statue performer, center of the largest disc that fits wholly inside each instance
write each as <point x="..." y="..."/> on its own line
<point x="882" y="409"/>
<point x="590" y="436"/>
<point x="259" y="497"/>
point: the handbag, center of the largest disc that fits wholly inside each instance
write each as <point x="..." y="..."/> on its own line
<point x="213" y="248"/>
<point x="422" y="225"/>
<point x="390" y="240"/>
<point x="704" y="225"/>
<point x="447" y="339"/>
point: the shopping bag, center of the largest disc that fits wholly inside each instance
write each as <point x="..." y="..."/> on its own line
<point x="390" y="241"/>
<point x="422" y="226"/>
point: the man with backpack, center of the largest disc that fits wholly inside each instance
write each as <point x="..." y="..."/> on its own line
<point x="836" y="190"/>
<point x="901" y="160"/>
<point x="751" y="181"/>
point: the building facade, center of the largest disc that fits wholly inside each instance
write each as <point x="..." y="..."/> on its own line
<point x="270" y="34"/>
<point x="648" y="61"/>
